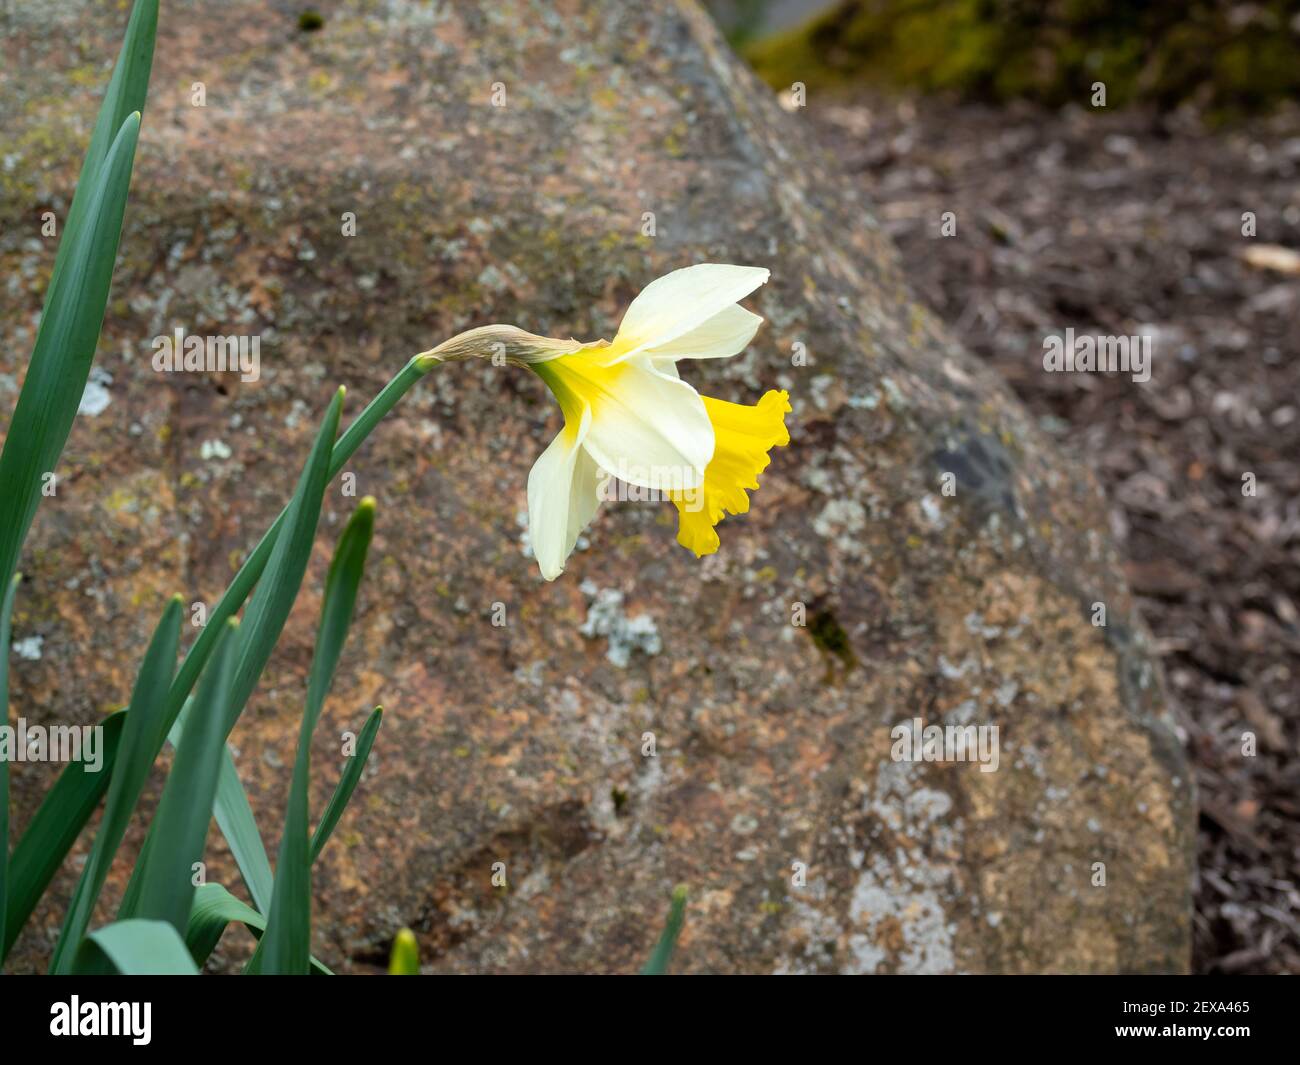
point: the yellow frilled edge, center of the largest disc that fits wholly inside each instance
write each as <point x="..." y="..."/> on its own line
<point x="743" y="437"/>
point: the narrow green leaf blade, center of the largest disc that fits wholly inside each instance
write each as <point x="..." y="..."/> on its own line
<point x="47" y="405"/>
<point x="251" y="646"/>
<point x="214" y="910"/>
<point x="235" y="819"/>
<point x="126" y="93"/>
<point x="6" y="615"/>
<point x="65" y="346"/>
<point x="180" y="826"/>
<point x="135" y="948"/>
<point x="56" y="378"/>
<point x="347" y="783"/>
<point x="287" y="944"/>
<point x="276" y="591"/>
<point x="54" y="829"/>
<point x="342" y="584"/>
<point x="663" y="952"/>
<point x="136" y="752"/>
<point x="90" y="235"/>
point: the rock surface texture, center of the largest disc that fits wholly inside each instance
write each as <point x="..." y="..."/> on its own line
<point x="522" y="743"/>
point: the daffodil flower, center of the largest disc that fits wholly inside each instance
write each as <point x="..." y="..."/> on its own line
<point x="629" y="415"/>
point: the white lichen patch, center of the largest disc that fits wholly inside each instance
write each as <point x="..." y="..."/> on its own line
<point x="842" y="521"/>
<point x="1006" y="692"/>
<point x="96" y="398"/>
<point x="897" y="918"/>
<point x="932" y="511"/>
<point x="949" y="671"/>
<point x="906" y="890"/>
<point x="817" y="930"/>
<point x="605" y="617"/>
<point x="29" y="648"/>
<point x="214" y="449"/>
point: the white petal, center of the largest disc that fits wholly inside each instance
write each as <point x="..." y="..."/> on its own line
<point x="649" y="428"/>
<point x="677" y="303"/>
<point x="584" y="501"/>
<point x="561" y="498"/>
<point x="727" y="333"/>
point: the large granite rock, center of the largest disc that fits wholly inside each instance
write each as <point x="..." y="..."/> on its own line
<point x="522" y="743"/>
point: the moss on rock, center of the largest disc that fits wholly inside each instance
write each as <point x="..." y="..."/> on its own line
<point x="1224" y="56"/>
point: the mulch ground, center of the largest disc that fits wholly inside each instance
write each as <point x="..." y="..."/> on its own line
<point x="1124" y="223"/>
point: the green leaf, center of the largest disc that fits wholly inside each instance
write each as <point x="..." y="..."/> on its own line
<point x="65" y="345"/>
<point x="286" y="948"/>
<point x="77" y="293"/>
<point x="6" y="613"/>
<point x="274" y="598"/>
<point x="56" y="378"/>
<point x="663" y="952"/>
<point x="135" y="757"/>
<point x="126" y="93"/>
<point x="265" y="617"/>
<point x="347" y="783"/>
<point x="180" y="825"/>
<point x="54" y="828"/>
<point x="52" y="389"/>
<point x="214" y="909"/>
<point x="235" y="816"/>
<point x="342" y="584"/>
<point x="276" y="591"/>
<point x="68" y="805"/>
<point x="235" y="819"/>
<point x="405" y="958"/>
<point x="255" y="565"/>
<point x="135" y="948"/>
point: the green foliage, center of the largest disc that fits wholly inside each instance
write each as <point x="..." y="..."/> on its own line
<point x="6" y="613"/>
<point x="405" y="958"/>
<point x="54" y="829"/>
<point x="663" y="952"/>
<point x="141" y="734"/>
<point x="1218" y="54"/>
<point x="162" y="888"/>
<point x="60" y="365"/>
<point x="77" y="295"/>
<point x="161" y="904"/>
<point x="287" y="944"/>
<point x="135" y="948"/>
<point x="347" y="784"/>
<point x="214" y="910"/>
<point x="235" y="819"/>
